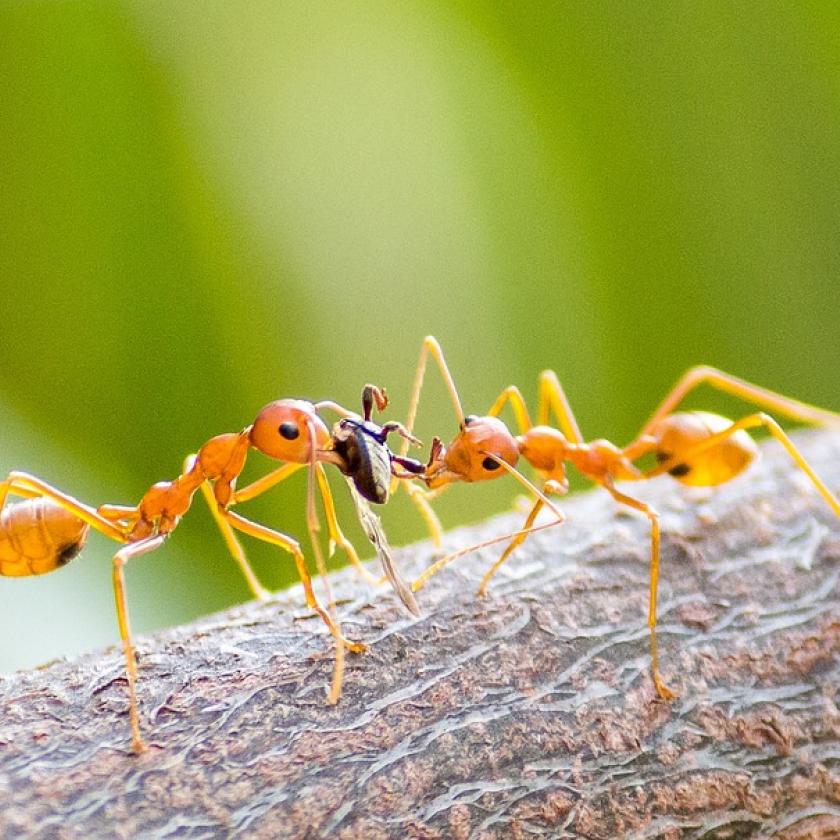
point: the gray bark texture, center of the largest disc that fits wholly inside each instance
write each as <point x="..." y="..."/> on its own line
<point x="529" y="713"/>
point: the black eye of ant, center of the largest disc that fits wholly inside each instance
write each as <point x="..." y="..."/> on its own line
<point x="289" y="430"/>
<point x="470" y="418"/>
<point x="490" y="464"/>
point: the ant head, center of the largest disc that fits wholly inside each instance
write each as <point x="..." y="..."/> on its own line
<point x="467" y="458"/>
<point x="281" y="431"/>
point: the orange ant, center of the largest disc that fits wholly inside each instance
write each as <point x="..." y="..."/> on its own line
<point x="695" y="447"/>
<point x="49" y="528"/>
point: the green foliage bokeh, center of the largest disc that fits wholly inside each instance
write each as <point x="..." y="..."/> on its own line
<point x="208" y="205"/>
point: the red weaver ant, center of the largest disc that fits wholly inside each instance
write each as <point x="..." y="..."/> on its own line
<point x="695" y="447"/>
<point x="50" y="527"/>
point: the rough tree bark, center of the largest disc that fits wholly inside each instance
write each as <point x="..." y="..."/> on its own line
<point x="527" y="714"/>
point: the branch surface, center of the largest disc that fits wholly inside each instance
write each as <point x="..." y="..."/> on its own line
<point x="530" y="713"/>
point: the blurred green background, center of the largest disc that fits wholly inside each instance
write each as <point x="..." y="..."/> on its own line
<point x="205" y="206"/>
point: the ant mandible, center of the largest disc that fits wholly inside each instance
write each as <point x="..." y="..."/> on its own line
<point x="696" y="447"/>
<point x="49" y="528"/>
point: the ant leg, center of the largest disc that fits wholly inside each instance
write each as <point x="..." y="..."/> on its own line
<point x="370" y="394"/>
<point x="258" y="487"/>
<point x="541" y="500"/>
<point x="661" y="689"/>
<point x="6" y="488"/>
<point x="430" y="346"/>
<point x="272" y="537"/>
<point x="638" y="448"/>
<point x="552" y="397"/>
<point x="233" y="544"/>
<point x="124" y="517"/>
<point x="244" y="494"/>
<point x="340" y="410"/>
<point x="314" y="526"/>
<point x="531" y="487"/>
<point x="422" y="498"/>
<point x="432" y="570"/>
<point x="750" y="422"/>
<point x="261" y="532"/>
<point x="28" y="486"/>
<point x="513" y="395"/>
<point x="336" y="534"/>
<point x="116" y="511"/>
<point x="514" y="543"/>
<point x="762" y="397"/>
<point x="120" y="559"/>
<point x="528" y="527"/>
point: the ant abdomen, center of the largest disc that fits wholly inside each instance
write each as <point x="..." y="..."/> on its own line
<point x="685" y="432"/>
<point x="38" y="536"/>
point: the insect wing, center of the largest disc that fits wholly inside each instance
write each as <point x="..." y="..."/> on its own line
<point x="373" y="529"/>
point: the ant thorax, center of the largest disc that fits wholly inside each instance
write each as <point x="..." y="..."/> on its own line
<point x="546" y="449"/>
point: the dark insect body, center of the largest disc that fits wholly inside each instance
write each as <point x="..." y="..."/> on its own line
<point x="363" y="454"/>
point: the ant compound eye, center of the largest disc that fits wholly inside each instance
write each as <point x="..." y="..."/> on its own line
<point x="490" y="464"/>
<point x="470" y="418"/>
<point x="289" y="430"/>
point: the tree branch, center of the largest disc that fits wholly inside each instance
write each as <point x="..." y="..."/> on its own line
<point x="530" y="713"/>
